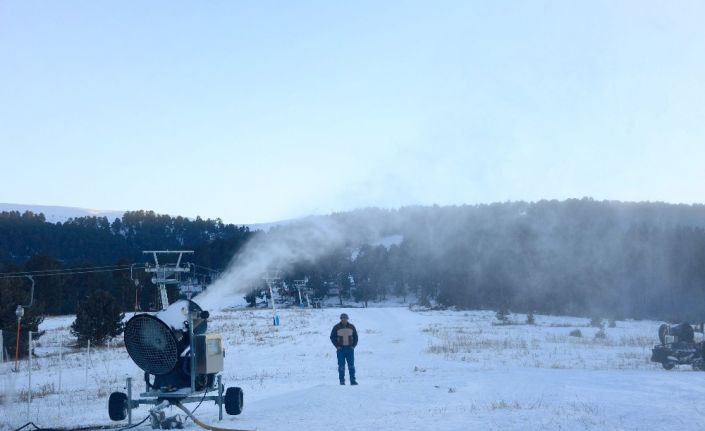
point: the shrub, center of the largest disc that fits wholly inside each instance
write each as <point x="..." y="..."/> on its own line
<point x="98" y="318"/>
<point x="601" y="334"/>
<point x="576" y="333"/>
<point x="503" y="315"/>
<point x="596" y="322"/>
<point x="530" y="320"/>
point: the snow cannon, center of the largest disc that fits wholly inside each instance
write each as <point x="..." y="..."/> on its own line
<point x="678" y="347"/>
<point x="160" y="345"/>
<point x="681" y="332"/>
<point x="181" y="361"/>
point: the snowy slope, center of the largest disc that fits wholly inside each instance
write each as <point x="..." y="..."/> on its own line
<point x="432" y="370"/>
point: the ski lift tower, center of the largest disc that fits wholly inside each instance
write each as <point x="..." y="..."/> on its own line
<point x="166" y="273"/>
<point x="271" y="280"/>
<point x="301" y="285"/>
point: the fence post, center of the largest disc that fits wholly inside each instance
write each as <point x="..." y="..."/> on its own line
<point x="29" y="375"/>
<point x="61" y="366"/>
<point x="2" y="348"/>
<point x="88" y="358"/>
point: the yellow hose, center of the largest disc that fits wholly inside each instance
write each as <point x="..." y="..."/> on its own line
<point x="203" y="424"/>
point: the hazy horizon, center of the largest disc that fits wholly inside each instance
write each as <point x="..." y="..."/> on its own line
<point x="62" y="213"/>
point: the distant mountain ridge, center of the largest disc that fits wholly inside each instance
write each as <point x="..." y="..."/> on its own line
<point x="56" y="214"/>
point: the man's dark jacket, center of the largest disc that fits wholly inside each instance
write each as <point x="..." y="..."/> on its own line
<point x="344" y="335"/>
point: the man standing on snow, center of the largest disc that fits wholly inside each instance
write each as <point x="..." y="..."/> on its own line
<point x="344" y="338"/>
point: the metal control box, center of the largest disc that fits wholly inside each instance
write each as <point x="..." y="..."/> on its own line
<point x="209" y="353"/>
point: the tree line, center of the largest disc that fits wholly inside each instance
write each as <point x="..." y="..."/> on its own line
<point x="578" y="257"/>
<point x="87" y="245"/>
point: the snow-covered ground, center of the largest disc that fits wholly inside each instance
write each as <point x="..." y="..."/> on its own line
<point x="418" y="370"/>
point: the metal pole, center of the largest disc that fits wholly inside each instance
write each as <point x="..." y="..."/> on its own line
<point x="220" y="397"/>
<point x="61" y="366"/>
<point x="2" y="348"/>
<point x="19" y="312"/>
<point x="129" y="401"/>
<point x="271" y="294"/>
<point x="29" y="375"/>
<point x="192" y="350"/>
<point x="17" y="346"/>
<point x="275" y="318"/>
<point x="88" y="357"/>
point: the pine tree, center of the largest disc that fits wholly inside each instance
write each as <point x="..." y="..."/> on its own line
<point x="98" y="318"/>
<point x="530" y="320"/>
<point x="503" y="315"/>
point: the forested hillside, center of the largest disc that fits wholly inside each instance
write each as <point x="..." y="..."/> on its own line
<point x="580" y="257"/>
<point x="94" y="254"/>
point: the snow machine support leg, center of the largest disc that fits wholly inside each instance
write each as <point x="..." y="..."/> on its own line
<point x="220" y="397"/>
<point x="129" y="401"/>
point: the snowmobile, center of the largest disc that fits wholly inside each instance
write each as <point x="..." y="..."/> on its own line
<point x="678" y="347"/>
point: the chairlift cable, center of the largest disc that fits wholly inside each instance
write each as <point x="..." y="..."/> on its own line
<point x="208" y="269"/>
<point x="64" y="269"/>
<point x="49" y="274"/>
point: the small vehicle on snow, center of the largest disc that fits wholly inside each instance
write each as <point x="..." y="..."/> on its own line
<point x="678" y="347"/>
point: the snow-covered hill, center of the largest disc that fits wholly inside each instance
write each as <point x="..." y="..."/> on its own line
<point x="55" y="214"/>
<point x="418" y="370"/>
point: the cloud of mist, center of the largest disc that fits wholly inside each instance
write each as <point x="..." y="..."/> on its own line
<point x="277" y="250"/>
<point x="576" y="257"/>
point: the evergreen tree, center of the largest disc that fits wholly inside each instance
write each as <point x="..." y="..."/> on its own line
<point x="98" y="318"/>
<point x="530" y="319"/>
<point x="503" y="315"/>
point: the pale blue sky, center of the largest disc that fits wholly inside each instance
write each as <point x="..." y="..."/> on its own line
<point x="266" y="110"/>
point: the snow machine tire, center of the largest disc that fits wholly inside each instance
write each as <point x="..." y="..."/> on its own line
<point x="668" y="365"/>
<point x="117" y="406"/>
<point x="234" y="400"/>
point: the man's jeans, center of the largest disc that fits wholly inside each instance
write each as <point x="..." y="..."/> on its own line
<point x="346" y="354"/>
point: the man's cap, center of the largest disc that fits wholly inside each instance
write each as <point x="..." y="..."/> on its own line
<point x="344" y="316"/>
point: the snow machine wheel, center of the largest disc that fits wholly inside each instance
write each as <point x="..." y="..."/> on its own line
<point x="234" y="400"/>
<point x="117" y="406"/>
<point x="668" y="365"/>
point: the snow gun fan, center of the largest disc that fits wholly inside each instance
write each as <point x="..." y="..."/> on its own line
<point x="181" y="361"/>
<point x="160" y="345"/>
